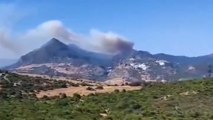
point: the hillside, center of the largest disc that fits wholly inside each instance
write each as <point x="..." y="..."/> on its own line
<point x="23" y="87"/>
<point x="182" y="100"/>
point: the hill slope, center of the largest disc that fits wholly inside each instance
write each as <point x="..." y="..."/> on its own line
<point x="182" y="100"/>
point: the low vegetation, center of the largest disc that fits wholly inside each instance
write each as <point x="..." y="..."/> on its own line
<point x="18" y="86"/>
<point x="188" y="100"/>
<point x="99" y="87"/>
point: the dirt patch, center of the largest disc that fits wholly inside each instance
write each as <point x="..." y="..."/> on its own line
<point x="83" y="90"/>
<point x="115" y="81"/>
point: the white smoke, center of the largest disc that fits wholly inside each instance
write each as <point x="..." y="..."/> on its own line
<point x="95" y="41"/>
<point x="7" y="43"/>
<point x="50" y="29"/>
<point x="9" y="16"/>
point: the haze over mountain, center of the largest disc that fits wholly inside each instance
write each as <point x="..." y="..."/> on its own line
<point x="6" y="62"/>
<point x="56" y="58"/>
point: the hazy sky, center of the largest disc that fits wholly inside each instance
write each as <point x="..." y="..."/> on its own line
<point x="179" y="27"/>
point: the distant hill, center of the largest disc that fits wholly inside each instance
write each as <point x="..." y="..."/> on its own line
<point x="58" y="59"/>
<point x="184" y="60"/>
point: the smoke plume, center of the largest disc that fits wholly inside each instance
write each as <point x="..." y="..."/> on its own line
<point x="96" y="41"/>
<point x="5" y="42"/>
<point x="51" y="29"/>
<point x="110" y="42"/>
<point x="10" y="14"/>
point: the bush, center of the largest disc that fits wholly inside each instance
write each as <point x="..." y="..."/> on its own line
<point x="90" y="89"/>
<point x="62" y="95"/>
<point x="91" y="94"/>
<point x="77" y="96"/>
<point x="45" y="97"/>
<point x="84" y="84"/>
<point x="116" y="91"/>
<point x="100" y="87"/>
<point x="124" y="90"/>
<point x="135" y="83"/>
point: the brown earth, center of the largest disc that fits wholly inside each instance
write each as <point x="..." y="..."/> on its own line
<point x="83" y="90"/>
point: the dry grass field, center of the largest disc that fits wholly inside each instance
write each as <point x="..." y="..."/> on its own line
<point x="82" y="90"/>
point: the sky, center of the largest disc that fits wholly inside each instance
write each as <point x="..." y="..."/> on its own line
<point x="178" y="27"/>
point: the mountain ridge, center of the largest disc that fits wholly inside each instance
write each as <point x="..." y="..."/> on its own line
<point x="134" y="65"/>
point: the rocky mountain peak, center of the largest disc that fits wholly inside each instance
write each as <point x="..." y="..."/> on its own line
<point x="71" y="60"/>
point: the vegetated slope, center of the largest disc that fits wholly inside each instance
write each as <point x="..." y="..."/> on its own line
<point x="23" y="87"/>
<point x="183" y="100"/>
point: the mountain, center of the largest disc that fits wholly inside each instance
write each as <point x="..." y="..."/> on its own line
<point x="55" y="51"/>
<point x="197" y="65"/>
<point x="91" y="57"/>
<point x="183" y="60"/>
<point x="58" y="59"/>
<point x="51" y="51"/>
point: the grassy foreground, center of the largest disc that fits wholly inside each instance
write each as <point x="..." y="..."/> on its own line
<point x="189" y="100"/>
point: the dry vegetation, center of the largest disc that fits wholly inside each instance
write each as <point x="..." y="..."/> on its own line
<point x="83" y="91"/>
